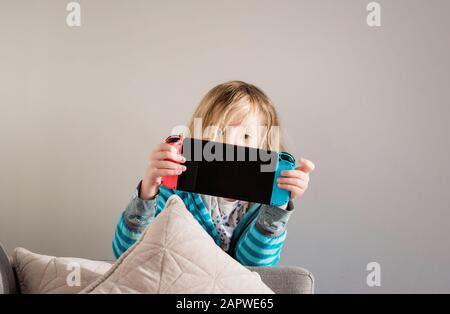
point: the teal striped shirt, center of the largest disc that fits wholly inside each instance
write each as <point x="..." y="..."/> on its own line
<point x="257" y="240"/>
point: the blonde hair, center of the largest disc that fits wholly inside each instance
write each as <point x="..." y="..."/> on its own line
<point x="225" y="101"/>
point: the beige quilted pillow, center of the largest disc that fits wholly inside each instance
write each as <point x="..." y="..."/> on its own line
<point x="176" y="255"/>
<point x="38" y="273"/>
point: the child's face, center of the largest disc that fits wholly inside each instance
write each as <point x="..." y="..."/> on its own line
<point x="243" y="131"/>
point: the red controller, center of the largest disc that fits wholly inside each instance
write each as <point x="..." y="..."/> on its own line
<point x="176" y="141"/>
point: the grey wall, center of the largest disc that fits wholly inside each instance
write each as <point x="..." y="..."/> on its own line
<point x="82" y="108"/>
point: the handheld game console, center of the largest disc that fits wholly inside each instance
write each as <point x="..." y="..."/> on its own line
<point x="231" y="171"/>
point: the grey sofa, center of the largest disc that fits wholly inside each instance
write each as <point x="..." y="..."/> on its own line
<point x="281" y="279"/>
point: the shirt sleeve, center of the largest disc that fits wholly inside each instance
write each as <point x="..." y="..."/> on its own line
<point x="137" y="215"/>
<point x="272" y="221"/>
<point x="262" y="241"/>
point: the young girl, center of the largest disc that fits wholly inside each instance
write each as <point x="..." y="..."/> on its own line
<point x="251" y="233"/>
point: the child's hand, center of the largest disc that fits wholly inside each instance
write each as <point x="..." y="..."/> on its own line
<point x="296" y="181"/>
<point x="158" y="166"/>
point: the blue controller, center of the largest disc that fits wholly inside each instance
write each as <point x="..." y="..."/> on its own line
<point x="281" y="196"/>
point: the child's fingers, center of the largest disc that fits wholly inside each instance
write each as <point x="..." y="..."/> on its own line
<point x="161" y="155"/>
<point x="165" y="147"/>
<point x="295" y="174"/>
<point x="306" y="165"/>
<point x="294" y="181"/>
<point x="165" y="164"/>
<point x="166" y="172"/>
<point x="295" y="190"/>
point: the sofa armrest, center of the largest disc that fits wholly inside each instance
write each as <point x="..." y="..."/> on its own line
<point x="286" y="279"/>
<point x="7" y="278"/>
